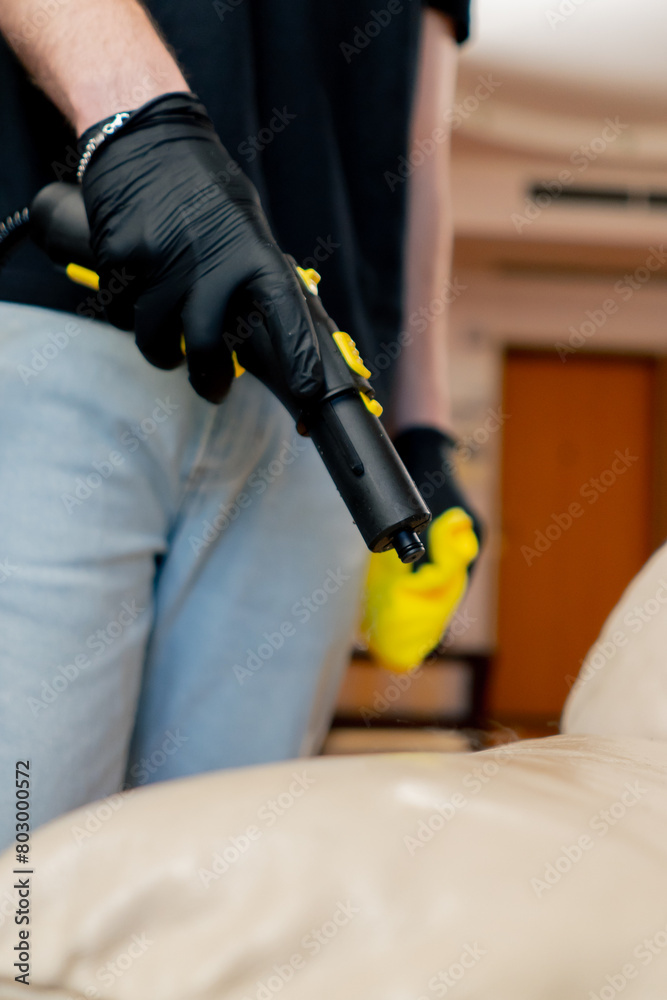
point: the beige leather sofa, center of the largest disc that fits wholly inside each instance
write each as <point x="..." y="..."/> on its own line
<point x="533" y="872"/>
<point x="536" y="871"/>
<point x="622" y="685"/>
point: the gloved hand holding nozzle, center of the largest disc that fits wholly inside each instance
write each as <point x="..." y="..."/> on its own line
<point x="194" y="246"/>
<point x="166" y="202"/>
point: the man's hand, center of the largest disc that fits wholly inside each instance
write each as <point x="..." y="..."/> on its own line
<point x="409" y="608"/>
<point x="166" y="201"/>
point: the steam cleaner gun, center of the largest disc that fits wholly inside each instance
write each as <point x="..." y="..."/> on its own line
<point x="343" y="421"/>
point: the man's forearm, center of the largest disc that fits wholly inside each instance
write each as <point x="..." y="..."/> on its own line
<point x="91" y="57"/>
<point x="422" y="383"/>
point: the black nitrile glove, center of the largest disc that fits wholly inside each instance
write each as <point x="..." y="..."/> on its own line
<point x="428" y="455"/>
<point x="168" y="204"/>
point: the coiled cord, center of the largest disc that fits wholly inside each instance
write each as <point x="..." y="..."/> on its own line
<point x="13" y="230"/>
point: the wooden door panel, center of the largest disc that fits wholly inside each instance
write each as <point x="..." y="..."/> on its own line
<point x="576" y="515"/>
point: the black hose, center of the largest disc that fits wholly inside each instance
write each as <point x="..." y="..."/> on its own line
<point x="13" y="231"/>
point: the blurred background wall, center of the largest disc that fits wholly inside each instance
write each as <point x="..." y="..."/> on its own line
<point x="559" y="337"/>
<point x="560" y="201"/>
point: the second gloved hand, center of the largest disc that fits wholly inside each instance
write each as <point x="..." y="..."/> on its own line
<point x="408" y="607"/>
<point x="168" y="204"/>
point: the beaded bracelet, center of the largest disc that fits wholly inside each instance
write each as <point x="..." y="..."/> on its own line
<point x="99" y="133"/>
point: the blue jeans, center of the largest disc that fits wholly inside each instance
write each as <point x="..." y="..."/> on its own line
<point x="179" y="582"/>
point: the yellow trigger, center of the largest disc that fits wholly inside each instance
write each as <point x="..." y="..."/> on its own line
<point x="311" y="278"/>
<point x="83" y="276"/>
<point x="348" y="349"/>
<point x="372" y="405"/>
<point x="238" y="369"/>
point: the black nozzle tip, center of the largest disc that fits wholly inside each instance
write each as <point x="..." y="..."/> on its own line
<point x="408" y="546"/>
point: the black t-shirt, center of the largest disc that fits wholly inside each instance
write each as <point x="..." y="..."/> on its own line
<point x="313" y="99"/>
